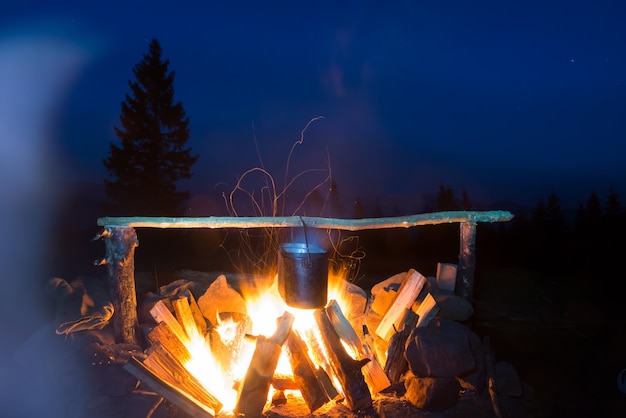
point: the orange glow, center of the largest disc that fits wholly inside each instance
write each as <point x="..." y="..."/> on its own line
<point x="264" y="307"/>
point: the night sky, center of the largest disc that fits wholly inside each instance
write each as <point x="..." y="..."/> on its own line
<point x="508" y="100"/>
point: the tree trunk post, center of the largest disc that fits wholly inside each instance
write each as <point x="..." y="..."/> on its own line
<point x="120" y="243"/>
<point x="467" y="261"/>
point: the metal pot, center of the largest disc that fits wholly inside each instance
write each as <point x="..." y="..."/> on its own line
<point x="303" y="275"/>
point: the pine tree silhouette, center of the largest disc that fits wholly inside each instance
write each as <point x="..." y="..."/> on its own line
<point x="153" y="155"/>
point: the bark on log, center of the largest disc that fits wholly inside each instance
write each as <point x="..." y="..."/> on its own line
<point x="214" y="222"/>
<point x="304" y="374"/>
<point x="467" y="261"/>
<point x="407" y="293"/>
<point x="374" y="374"/>
<point x="120" y="243"/>
<point x="252" y="395"/>
<point x="345" y="368"/>
<point x="396" y="364"/>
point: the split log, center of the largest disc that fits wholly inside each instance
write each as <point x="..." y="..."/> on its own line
<point x="407" y="293"/>
<point x="185" y="318"/>
<point x="304" y="372"/>
<point x="169" y="391"/>
<point x="345" y="368"/>
<point x="252" y="395"/>
<point x="316" y="350"/>
<point x="162" y="334"/>
<point x="426" y="311"/>
<point x="374" y="374"/>
<point x="120" y="243"/>
<point x="161" y="313"/>
<point x="396" y="364"/>
<point x="171" y="370"/>
<point x="197" y="315"/>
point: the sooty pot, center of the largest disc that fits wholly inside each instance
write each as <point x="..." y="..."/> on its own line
<point x="303" y="275"/>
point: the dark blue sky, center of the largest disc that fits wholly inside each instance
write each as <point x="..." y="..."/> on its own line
<point x="510" y="101"/>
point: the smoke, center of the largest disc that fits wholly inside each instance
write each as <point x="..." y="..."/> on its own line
<point x="36" y="70"/>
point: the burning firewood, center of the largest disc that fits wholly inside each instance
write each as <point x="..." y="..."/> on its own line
<point x="254" y="389"/>
<point x="170" y="369"/>
<point x="185" y="317"/>
<point x="304" y="373"/>
<point x="374" y="374"/>
<point x="345" y="368"/>
<point x="171" y="392"/>
<point x="162" y="334"/>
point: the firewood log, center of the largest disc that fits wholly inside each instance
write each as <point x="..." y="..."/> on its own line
<point x="304" y="372"/>
<point x="396" y="363"/>
<point x="167" y="390"/>
<point x="409" y="290"/>
<point x="345" y="368"/>
<point x="253" y="392"/>
<point x="171" y="370"/>
<point x="374" y="374"/>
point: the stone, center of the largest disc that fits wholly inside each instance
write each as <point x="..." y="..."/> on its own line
<point x="221" y="297"/>
<point x="441" y="349"/>
<point x="352" y="296"/>
<point x="476" y="379"/>
<point x="432" y="394"/>
<point x="507" y="380"/>
<point x="453" y="307"/>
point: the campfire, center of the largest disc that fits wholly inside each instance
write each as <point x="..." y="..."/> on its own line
<point x="239" y="361"/>
<point x="303" y="334"/>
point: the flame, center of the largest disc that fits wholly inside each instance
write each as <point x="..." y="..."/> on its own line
<point x="264" y="306"/>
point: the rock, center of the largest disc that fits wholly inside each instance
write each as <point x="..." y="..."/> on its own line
<point x="221" y="297"/>
<point x="432" y="394"/>
<point x="441" y="349"/>
<point x="507" y="380"/>
<point x="180" y="287"/>
<point x="476" y="379"/>
<point x="352" y="296"/>
<point x="453" y="307"/>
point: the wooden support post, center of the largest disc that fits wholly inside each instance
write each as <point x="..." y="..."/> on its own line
<point x="345" y="368"/>
<point x="467" y="261"/>
<point x="120" y="243"/>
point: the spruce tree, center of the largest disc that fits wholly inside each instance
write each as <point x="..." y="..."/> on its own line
<point x="153" y="155"/>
